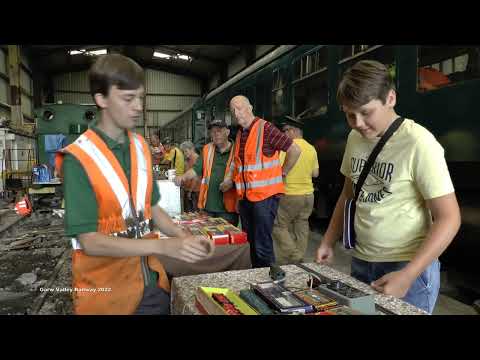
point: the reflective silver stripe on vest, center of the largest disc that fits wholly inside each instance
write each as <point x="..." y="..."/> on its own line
<point x="209" y="164"/>
<point x="260" y="166"/>
<point x="232" y="166"/>
<point x="259" y="137"/>
<point x="142" y="171"/>
<point x="107" y="170"/>
<point x="260" y="183"/>
<point x="76" y="244"/>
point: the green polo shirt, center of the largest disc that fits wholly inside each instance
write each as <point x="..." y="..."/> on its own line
<point x="214" y="195"/>
<point x="81" y="211"/>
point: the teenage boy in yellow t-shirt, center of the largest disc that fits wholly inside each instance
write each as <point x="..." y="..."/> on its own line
<point x="398" y="243"/>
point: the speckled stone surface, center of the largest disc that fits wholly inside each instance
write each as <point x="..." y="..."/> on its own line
<point x="184" y="288"/>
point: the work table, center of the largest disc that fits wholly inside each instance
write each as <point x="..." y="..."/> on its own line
<point x="184" y="288"/>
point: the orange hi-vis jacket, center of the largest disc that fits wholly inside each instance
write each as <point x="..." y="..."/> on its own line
<point x="230" y="196"/>
<point x="259" y="176"/>
<point x="114" y="285"/>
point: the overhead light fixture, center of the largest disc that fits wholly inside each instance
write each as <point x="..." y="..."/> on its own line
<point x="184" y="57"/>
<point x="98" y="52"/>
<point x="88" y="52"/>
<point x="161" y="55"/>
<point x="76" y="52"/>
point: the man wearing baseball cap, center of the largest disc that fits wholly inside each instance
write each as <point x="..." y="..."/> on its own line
<point x="174" y="155"/>
<point x="212" y="166"/>
<point x="296" y="206"/>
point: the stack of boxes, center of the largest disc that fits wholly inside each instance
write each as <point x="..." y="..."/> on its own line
<point x="218" y="229"/>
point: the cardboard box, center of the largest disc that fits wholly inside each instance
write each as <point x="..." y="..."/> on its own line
<point x="207" y="305"/>
<point x="236" y="235"/>
<point x="314" y="297"/>
<point x="219" y="237"/>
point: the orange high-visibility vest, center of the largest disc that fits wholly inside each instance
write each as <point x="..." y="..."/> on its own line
<point x="259" y="176"/>
<point x="112" y="285"/>
<point x="230" y="196"/>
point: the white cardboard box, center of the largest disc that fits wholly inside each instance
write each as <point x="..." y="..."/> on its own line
<point x="170" y="200"/>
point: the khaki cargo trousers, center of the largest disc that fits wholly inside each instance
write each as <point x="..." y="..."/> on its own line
<point x="291" y="230"/>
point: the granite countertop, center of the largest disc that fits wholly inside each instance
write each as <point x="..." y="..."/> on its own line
<point x="184" y="288"/>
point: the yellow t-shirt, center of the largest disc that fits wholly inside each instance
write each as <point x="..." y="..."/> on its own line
<point x="391" y="219"/>
<point x="179" y="160"/>
<point x="299" y="178"/>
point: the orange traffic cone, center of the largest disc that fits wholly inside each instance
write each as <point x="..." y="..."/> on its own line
<point x="23" y="207"/>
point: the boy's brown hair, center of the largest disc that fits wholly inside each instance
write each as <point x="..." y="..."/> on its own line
<point x="365" y="81"/>
<point x="115" y="69"/>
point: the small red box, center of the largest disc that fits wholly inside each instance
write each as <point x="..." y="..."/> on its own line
<point x="237" y="237"/>
<point x="218" y="237"/>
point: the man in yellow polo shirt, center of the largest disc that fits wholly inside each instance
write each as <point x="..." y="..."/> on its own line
<point x="291" y="229"/>
<point x="174" y="156"/>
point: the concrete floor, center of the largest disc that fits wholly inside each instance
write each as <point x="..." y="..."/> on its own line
<point x="446" y="305"/>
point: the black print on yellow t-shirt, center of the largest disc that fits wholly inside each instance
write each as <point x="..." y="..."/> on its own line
<point x="376" y="186"/>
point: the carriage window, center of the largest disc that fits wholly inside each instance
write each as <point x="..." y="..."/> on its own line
<point x="440" y="66"/>
<point x="310" y="84"/>
<point x="350" y="54"/>
<point x="278" y="92"/>
<point x="311" y="63"/>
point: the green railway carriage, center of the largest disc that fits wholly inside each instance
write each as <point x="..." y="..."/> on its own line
<point x="438" y="86"/>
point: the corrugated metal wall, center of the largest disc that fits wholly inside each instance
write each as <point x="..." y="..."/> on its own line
<point x="72" y="98"/>
<point x="4" y="85"/>
<point x="213" y="83"/>
<point x="27" y="105"/>
<point x="261" y="50"/>
<point x="24" y="59"/>
<point x="72" y="81"/>
<point x="174" y="103"/>
<point x="167" y="94"/>
<point x="26" y="81"/>
<point x="26" y="85"/>
<point x="3" y="91"/>
<point x="237" y="64"/>
<point x="72" y="88"/>
<point x="3" y="62"/>
<point x="159" y="119"/>
<point x="168" y="83"/>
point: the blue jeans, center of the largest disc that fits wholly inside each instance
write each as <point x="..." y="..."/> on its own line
<point x="155" y="301"/>
<point x="424" y="290"/>
<point x="257" y="220"/>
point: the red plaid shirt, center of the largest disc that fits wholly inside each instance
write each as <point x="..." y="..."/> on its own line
<point x="273" y="139"/>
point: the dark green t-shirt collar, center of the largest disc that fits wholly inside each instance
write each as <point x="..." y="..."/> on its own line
<point x="112" y="144"/>
<point x="217" y="150"/>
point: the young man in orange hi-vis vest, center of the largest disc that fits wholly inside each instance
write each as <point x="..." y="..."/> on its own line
<point x="111" y="204"/>
<point x="258" y="176"/>
<point x="214" y="165"/>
